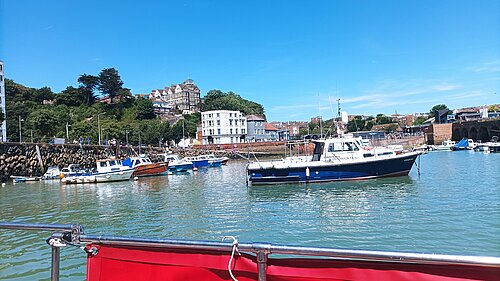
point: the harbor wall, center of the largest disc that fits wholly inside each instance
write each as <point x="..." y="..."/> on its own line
<point x="25" y="159"/>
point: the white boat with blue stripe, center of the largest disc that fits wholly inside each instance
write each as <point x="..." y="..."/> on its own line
<point x="333" y="159"/>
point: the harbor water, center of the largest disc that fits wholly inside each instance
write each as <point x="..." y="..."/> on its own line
<point x="452" y="207"/>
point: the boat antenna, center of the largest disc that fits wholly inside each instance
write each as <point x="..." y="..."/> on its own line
<point x="338" y="117"/>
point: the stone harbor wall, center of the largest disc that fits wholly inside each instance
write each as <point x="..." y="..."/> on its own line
<point x="21" y="159"/>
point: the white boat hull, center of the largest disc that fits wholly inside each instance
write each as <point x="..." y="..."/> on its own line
<point x="99" y="177"/>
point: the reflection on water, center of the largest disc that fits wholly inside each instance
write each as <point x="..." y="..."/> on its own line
<point x="453" y="208"/>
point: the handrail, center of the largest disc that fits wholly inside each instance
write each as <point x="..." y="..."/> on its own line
<point x="73" y="233"/>
<point x="293" y="250"/>
<point x="39" y="226"/>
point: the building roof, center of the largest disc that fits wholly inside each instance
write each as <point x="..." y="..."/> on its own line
<point x="269" y="127"/>
<point x="255" y="118"/>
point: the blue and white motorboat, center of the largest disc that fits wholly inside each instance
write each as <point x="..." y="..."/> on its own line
<point x="212" y="160"/>
<point x="176" y="164"/>
<point x="334" y="159"/>
<point x="197" y="161"/>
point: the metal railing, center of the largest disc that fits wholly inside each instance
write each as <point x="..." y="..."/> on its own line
<point x="70" y="233"/>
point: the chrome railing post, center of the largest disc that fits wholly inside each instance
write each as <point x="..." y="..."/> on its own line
<point x="262" y="264"/>
<point x="56" y="256"/>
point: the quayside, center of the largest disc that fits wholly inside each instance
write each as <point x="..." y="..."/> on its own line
<point x="130" y="258"/>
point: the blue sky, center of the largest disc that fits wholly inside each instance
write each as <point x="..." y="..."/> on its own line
<point x="294" y="57"/>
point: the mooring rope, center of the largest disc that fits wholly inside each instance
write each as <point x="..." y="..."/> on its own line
<point x="235" y="249"/>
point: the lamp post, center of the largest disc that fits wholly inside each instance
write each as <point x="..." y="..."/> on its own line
<point x="99" y="126"/>
<point x="126" y="137"/>
<point x="20" y="129"/>
<point x="67" y="131"/>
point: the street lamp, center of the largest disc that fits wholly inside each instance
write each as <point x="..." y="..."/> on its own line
<point x="67" y="131"/>
<point x="99" y="126"/>
<point x="20" y="129"/>
<point x="126" y="137"/>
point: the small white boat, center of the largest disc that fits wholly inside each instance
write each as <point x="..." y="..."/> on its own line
<point x="18" y="179"/>
<point x="446" y="146"/>
<point x="108" y="170"/>
<point x="52" y="173"/>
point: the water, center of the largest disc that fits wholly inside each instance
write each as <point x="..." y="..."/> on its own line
<point x="453" y="207"/>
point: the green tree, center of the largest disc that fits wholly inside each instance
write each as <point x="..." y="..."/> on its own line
<point x="145" y="109"/>
<point x="218" y="100"/>
<point x="357" y="124"/>
<point x="44" y="93"/>
<point x="71" y="96"/>
<point x="434" y="109"/>
<point x="43" y="122"/>
<point x="382" y="119"/>
<point x="110" y="82"/>
<point x="420" y="120"/>
<point x="88" y="84"/>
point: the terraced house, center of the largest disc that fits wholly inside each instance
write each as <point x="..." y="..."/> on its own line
<point x="184" y="97"/>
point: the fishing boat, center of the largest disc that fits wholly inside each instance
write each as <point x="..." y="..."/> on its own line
<point x="72" y="170"/>
<point x="52" y="173"/>
<point x="176" y="164"/>
<point x="108" y="170"/>
<point x="112" y="257"/>
<point x="333" y="159"/>
<point x="488" y="147"/>
<point x="143" y="166"/>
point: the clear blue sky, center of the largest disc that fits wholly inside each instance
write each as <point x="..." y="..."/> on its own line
<point x="294" y="57"/>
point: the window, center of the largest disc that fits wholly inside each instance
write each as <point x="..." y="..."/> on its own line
<point x="236" y="122"/>
<point x="230" y="115"/>
<point x="236" y="131"/>
<point x="242" y="131"/>
<point x="218" y="131"/>
<point x="218" y="114"/>
<point x="231" y="139"/>
<point x="218" y="122"/>
<point x="103" y="164"/>
<point x="230" y="122"/>
<point x="231" y="131"/>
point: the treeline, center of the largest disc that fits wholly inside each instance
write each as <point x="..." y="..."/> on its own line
<point x="43" y="114"/>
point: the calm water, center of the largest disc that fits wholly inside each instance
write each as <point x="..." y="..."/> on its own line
<point x="453" y="207"/>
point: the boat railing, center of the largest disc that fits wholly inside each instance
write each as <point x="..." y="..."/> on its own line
<point x="73" y="234"/>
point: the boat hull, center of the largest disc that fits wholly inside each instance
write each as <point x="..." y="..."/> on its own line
<point x="310" y="172"/>
<point x="99" y="177"/>
<point x="180" y="167"/>
<point x="154" y="169"/>
<point x="200" y="163"/>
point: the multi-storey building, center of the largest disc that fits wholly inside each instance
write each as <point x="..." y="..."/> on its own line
<point x="256" y="128"/>
<point x="3" y="128"/>
<point x="184" y="97"/>
<point x="223" y="127"/>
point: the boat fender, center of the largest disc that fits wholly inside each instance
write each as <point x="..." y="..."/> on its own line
<point x="61" y="175"/>
<point x="307" y="172"/>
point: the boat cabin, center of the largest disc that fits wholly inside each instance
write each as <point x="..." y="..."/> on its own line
<point x="133" y="162"/>
<point x="109" y="165"/>
<point x="345" y="149"/>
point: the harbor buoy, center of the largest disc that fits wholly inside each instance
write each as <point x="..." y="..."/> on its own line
<point x="195" y="169"/>
<point x="3" y="184"/>
<point x="136" y="178"/>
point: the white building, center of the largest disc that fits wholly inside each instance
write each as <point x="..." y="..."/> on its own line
<point x="3" y="128"/>
<point x="223" y="127"/>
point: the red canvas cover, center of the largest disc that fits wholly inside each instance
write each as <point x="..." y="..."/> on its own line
<point x="136" y="263"/>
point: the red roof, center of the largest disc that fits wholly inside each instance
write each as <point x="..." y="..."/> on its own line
<point x="269" y="127"/>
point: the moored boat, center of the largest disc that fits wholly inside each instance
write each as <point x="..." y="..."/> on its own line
<point x="464" y="144"/>
<point x="19" y="179"/>
<point x="197" y="161"/>
<point x="52" y="173"/>
<point x="143" y="166"/>
<point x="333" y="159"/>
<point x="445" y="146"/>
<point x="108" y="170"/>
<point x="176" y="164"/>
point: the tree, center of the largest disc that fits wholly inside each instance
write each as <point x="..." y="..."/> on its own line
<point x="44" y="93"/>
<point x="43" y="122"/>
<point x="382" y="119"/>
<point x="145" y="109"/>
<point x="357" y="124"/>
<point x="218" y="100"/>
<point x="71" y="96"/>
<point x="88" y="84"/>
<point x="434" y="109"/>
<point x="110" y="82"/>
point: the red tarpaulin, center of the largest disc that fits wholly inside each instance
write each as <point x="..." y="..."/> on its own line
<point x="138" y="263"/>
